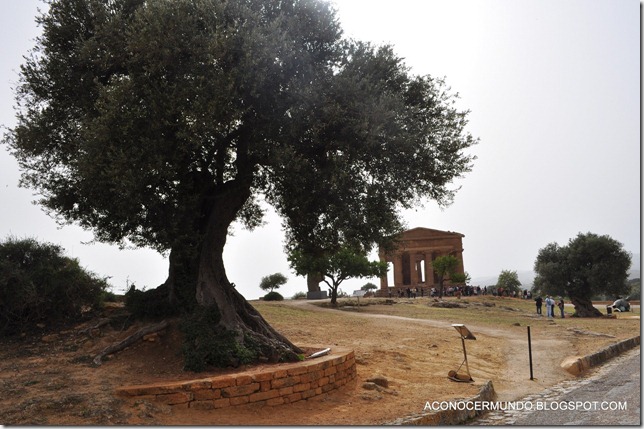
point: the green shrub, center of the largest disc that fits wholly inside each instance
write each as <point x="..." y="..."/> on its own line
<point x="299" y="295"/>
<point x="109" y="296"/>
<point x="205" y="345"/>
<point x="40" y="285"/>
<point x="273" y="296"/>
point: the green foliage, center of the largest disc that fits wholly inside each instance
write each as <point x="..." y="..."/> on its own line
<point x="589" y="265"/>
<point x="159" y="123"/>
<point x="38" y="284"/>
<point x="109" y="296"/>
<point x="273" y="296"/>
<point x="299" y="295"/>
<point x="207" y="347"/>
<point x="635" y="289"/>
<point x="460" y="278"/>
<point x="273" y="281"/>
<point x="384" y="151"/>
<point x="337" y="266"/>
<point x="134" y="117"/>
<point x="369" y="286"/>
<point x="509" y="280"/>
<point x="444" y="266"/>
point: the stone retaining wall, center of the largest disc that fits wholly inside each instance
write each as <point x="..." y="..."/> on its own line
<point x="274" y="385"/>
<point x="577" y="365"/>
<point x="452" y="416"/>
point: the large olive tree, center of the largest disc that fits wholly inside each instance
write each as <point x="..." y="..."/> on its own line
<point x="590" y="264"/>
<point x="158" y="123"/>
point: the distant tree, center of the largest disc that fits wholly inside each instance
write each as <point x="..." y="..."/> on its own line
<point x="590" y="264"/>
<point x="337" y="267"/>
<point x="444" y="266"/>
<point x="273" y="281"/>
<point x="369" y="287"/>
<point x="509" y="281"/>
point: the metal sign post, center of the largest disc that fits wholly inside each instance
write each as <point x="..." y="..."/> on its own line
<point x="358" y="294"/>
<point x="465" y="335"/>
<point x="530" y="353"/>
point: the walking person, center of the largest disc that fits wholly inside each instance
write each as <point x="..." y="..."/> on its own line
<point x="539" y="302"/>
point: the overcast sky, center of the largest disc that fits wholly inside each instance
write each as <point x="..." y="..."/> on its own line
<point x="553" y="87"/>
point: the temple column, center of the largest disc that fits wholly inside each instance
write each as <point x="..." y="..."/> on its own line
<point x="384" y="286"/>
<point x="398" y="270"/>
<point x="416" y="270"/>
<point x="429" y="268"/>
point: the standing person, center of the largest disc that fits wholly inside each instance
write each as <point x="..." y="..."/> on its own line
<point x="560" y="304"/>
<point x="539" y="303"/>
<point x="549" y="306"/>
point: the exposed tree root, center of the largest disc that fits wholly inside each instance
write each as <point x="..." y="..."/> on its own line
<point x="131" y="340"/>
<point x="98" y="325"/>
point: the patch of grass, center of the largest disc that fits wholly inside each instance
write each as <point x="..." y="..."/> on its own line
<point x="504" y="312"/>
<point x="279" y="314"/>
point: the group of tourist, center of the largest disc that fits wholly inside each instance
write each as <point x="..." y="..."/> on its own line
<point x="550" y="305"/>
<point x="449" y="291"/>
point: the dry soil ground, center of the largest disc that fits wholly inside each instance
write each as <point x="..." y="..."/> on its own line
<point x="50" y="378"/>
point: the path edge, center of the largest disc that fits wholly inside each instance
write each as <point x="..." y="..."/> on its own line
<point x="580" y="365"/>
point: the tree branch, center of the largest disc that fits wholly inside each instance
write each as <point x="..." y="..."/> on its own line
<point x="130" y="340"/>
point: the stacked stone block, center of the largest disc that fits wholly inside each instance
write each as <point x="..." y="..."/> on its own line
<point x="275" y="385"/>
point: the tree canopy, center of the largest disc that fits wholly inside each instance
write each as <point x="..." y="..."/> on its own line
<point x="159" y="123"/>
<point x="444" y="266"/>
<point x="368" y="287"/>
<point x="509" y="280"/>
<point x="337" y="267"/>
<point x="590" y="264"/>
<point x="273" y="281"/>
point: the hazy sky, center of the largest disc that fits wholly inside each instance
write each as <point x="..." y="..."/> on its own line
<point x="553" y="87"/>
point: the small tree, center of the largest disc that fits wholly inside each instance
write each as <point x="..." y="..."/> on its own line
<point x="509" y="281"/>
<point x="368" y="287"/>
<point x="273" y="281"/>
<point x="337" y="267"/>
<point x="590" y="264"/>
<point x="444" y="266"/>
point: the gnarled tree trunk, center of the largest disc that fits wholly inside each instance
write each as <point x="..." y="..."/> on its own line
<point x="215" y="292"/>
<point x="584" y="307"/>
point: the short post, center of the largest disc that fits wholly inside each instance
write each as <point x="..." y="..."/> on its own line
<point x="530" y="353"/>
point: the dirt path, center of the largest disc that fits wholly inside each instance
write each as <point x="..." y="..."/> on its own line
<point x="513" y="381"/>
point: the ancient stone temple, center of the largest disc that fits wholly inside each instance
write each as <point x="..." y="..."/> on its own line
<point x="412" y="260"/>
